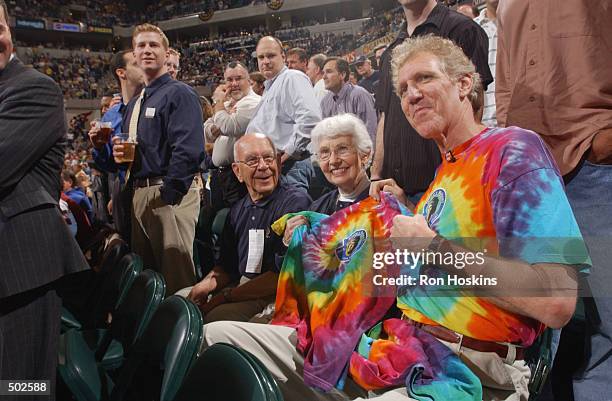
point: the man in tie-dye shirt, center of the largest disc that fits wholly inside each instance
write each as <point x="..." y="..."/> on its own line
<point x="499" y="187"/>
<point x="496" y="189"/>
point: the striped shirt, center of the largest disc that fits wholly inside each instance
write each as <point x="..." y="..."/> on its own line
<point x="352" y="99"/>
<point x="490" y="27"/>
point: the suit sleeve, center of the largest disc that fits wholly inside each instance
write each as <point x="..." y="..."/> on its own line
<point x="32" y="120"/>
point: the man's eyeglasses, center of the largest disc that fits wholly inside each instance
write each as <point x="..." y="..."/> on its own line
<point x="253" y="162"/>
<point x="340" y="151"/>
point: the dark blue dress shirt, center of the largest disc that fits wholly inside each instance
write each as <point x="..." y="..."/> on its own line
<point x="247" y="215"/>
<point x="170" y="136"/>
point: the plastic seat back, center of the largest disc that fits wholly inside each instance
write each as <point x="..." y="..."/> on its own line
<point x="160" y="359"/>
<point x="226" y="373"/>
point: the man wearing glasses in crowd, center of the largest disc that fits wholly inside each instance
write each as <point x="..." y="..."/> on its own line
<point x="251" y="253"/>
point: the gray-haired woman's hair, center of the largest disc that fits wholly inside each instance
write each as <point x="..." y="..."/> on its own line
<point x="343" y="124"/>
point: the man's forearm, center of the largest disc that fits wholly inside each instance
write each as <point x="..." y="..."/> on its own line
<point x="549" y="289"/>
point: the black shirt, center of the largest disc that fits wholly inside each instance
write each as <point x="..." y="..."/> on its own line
<point x="170" y="136"/>
<point x="329" y="204"/>
<point x="247" y="215"/>
<point x="408" y="158"/>
<point x="370" y="83"/>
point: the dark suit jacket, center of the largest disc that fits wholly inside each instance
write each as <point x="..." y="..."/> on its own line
<point x="36" y="247"/>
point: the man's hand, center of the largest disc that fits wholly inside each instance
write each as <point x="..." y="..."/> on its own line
<point x="411" y="232"/>
<point x="292" y="224"/>
<point x="115" y="100"/>
<point x="215" y="131"/>
<point x="212" y="304"/>
<point x="220" y="94"/>
<point x="199" y="293"/>
<point x="94" y="136"/>
<point x="389" y="185"/>
<point x="117" y="149"/>
<point x="109" y="207"/>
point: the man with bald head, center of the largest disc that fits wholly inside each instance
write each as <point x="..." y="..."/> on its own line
<point x="251" y="253"/>
<point x="289" y="111"/>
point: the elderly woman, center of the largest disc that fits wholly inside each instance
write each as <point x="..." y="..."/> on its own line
<point x="343" y="149"/>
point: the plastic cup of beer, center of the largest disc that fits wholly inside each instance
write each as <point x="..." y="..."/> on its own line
<point x="129" y="148"/>
<point x="106" y="128"/>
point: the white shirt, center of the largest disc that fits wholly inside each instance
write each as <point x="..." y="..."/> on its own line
<point x="320" y="90"/>
<point x="490" y="27"/>
<point x="232" y="125"/>
<point x="288" y="111"/>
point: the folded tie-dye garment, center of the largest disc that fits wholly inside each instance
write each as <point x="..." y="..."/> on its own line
<point x="325" y="291"/>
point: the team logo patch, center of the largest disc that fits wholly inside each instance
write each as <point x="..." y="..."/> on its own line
<point x="434" y="206"/>
<point x="274" y="4"/>
<point x="350" y="245"/>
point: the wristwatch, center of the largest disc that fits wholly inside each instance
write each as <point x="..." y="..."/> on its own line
<point x="227" y="295"/>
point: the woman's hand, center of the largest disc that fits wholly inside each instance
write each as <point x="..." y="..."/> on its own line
<point x="292" y="224"/>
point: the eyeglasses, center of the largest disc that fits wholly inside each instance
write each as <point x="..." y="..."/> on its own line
<point x="253" y="162"/>
<point x="341" y="151"/>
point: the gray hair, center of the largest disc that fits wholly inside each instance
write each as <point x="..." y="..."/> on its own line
<point x="343" y="124"/>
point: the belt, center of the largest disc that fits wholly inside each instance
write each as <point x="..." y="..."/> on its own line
<point x="452" y="337"/>
<point x="148" y="182"/>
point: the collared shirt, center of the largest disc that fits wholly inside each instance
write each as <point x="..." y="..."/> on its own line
<point x="104" y="156"/>
<point x="288" y="111"/>
<point x="370" y="83"/>
<point x="170" y="136"/>
<point x="408" y="158"/>
<point x="553" y="72"/>
<point x="232" y="125"/>
<point x="246" y="215"/>
<point x="352" y="99"/>
<point x="320" y="90"/>
<point x="490" y="27"/>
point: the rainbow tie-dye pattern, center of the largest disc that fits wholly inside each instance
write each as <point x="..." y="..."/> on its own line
<point x="504" y="189"/>
<point x="324" y="292"/>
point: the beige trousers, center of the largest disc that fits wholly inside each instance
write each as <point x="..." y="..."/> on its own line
<point x="163" y="234"/>
<point x="256" y="310"/>
<point x="275" y="347"/>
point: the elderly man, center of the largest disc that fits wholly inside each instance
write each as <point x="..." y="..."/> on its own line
<point x="234" y="104"/>
<point x="288" y="111"/>
<point x="315" y="73"/>
<point x="251" y="254"/>
<point x="495" y="185"/>
<point x="344" y="97"/>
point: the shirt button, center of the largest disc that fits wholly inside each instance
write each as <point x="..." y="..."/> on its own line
<point x="533" y="27"/>
<point x="532" y="98"/>
<point x="531" y="62"/>
<point x="252" y="217"/>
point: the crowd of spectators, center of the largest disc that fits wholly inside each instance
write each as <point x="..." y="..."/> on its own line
<point x="79" y="76"/>
<point x="108" y="13"/>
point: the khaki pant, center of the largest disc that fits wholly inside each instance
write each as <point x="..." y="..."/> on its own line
<point x="275" y="347"/>
<point x="255" y="310"/>
<point x="163" y="234"/>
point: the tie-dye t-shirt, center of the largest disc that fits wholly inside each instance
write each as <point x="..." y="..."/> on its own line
<point x="503" y="187"/>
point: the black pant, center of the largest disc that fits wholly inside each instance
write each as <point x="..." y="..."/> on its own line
<point x="29" y="336"/>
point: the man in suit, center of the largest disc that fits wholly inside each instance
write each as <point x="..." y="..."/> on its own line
<point x="36" y="248"/>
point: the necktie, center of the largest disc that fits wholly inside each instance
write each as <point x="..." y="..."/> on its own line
<point x="133" y="127"/>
